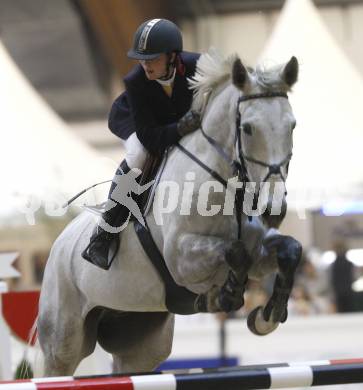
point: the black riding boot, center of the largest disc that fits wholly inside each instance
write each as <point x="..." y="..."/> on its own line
<point x="104" y="245"/>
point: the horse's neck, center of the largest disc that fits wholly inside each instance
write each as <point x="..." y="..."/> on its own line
<point x="218" y="123"/>
<point x="219" y="117"/>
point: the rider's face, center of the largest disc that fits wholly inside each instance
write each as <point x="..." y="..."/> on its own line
<point x="156" y="68"/>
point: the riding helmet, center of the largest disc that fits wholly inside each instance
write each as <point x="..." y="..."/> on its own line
<point x="154" y="37"/>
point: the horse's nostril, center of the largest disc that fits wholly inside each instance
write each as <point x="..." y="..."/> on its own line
<point x="274" y="169"/>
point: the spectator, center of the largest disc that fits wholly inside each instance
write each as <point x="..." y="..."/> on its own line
<point x="342" y="279"/>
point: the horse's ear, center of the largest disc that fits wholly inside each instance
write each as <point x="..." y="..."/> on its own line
<point x="239" y="74"/>
<point x="290" y="72"/>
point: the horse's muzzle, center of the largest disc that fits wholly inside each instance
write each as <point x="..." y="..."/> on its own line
<point x="273" y="216"/>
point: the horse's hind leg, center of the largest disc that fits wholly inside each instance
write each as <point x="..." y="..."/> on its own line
<point x="138" y="342"/>
<point x="262" y="321"/>
<point x="60" y="346"/>
<point x="64" y="339"/>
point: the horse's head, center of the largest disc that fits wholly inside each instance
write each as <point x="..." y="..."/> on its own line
<point x="265" y="124"/>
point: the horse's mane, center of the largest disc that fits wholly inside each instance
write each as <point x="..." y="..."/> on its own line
<point x="213" y="70"/>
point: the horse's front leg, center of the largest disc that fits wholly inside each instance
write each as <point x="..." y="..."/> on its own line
<point x="205" y="263"/>
<point x="287" y="252"/>
<point x="241" y="256"/>
<point x="230" y="296"/>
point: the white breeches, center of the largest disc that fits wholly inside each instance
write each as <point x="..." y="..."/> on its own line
<point x="135" y="152"/>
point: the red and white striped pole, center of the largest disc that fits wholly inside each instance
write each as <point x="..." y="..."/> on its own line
<point x="283" y="375"/>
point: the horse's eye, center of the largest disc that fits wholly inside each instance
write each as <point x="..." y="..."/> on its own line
<point x="247" y="128"/>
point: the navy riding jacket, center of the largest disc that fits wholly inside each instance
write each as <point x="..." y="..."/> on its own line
<point x="145" y="107"/>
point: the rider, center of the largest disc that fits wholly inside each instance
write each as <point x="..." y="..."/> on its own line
<point x="151" y="115"/>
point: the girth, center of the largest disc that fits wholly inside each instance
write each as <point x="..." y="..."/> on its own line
<point x="178" y="299"/>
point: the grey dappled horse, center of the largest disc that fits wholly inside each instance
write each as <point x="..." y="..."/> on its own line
<point x="200" y="247"/>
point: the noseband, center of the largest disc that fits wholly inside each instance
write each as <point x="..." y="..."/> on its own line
<point x="239" y="166"/>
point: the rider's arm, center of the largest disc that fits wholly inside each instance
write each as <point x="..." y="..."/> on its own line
<point x="154" y="137"/>
<point x="120" y="121"/>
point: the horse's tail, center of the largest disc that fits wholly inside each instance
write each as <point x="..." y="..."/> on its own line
<point x="32" y="365"/>
<point x="33" y="334"/>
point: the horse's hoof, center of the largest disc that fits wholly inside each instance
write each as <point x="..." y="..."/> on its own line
<point x="257" y="325"/>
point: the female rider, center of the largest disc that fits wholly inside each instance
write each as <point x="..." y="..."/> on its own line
<point x="152" y="114"/>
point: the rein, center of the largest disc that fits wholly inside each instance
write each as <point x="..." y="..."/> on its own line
<point x="239" y="167"/>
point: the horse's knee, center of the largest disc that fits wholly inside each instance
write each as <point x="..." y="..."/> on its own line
<point x="237" y="256"/>
<point x="288" y="253"/>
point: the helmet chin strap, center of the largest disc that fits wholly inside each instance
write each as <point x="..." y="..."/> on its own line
<point x="169" y="76"/>
<point x="168" y="80"/>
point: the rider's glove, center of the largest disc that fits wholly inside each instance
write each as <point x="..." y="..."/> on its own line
<point x="190" y="122"/>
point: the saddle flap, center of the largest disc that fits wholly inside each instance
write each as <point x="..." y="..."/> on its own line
<point x="146" y="206"/>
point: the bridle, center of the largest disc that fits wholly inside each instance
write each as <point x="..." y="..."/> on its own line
<point x="239" y="166"/>
<point x="273" y="169"/>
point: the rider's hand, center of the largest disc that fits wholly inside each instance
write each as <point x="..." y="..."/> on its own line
<point x="190" y="122"/>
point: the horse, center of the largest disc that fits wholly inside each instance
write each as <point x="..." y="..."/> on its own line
<point x="246" y="132"/>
